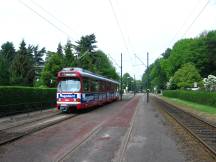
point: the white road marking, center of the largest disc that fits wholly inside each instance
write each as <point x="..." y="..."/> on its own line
<point x="106" y="136"/>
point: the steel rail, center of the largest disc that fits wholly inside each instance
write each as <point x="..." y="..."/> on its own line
<point x="30" y="121"/>
<point x="93" y="132"/>
<point x="203" y="131"/>
<point x="85" y="139"/>
<point x="13" y="136"/>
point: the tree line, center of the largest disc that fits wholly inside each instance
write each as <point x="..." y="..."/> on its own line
<point x="27" y="66"/>
<point x="188" y="61"/>
<point x="17" y="66"/>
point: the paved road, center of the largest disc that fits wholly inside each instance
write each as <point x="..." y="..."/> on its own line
<point x="128" y="130"/>
<point x="149" y="140"/>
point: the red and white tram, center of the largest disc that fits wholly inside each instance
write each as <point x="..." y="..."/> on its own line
<point x="81" y="89"/>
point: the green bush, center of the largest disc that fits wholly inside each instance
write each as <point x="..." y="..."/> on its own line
<point x="201" y="97"/>
<point x="15" y="99"/>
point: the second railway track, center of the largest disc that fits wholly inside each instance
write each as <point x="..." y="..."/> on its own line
<point x="15" y="132"/>
<point x="200" y="129"/>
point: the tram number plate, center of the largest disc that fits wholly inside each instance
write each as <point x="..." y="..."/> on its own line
<point x="64" y="108"/>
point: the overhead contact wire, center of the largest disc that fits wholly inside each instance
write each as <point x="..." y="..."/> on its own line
<point x="44" y="18"/>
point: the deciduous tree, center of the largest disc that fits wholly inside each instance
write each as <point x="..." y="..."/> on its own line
<point x="53" y="65"/>
<point x="186" y="76"/>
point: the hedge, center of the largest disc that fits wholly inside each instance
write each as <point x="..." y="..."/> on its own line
<point x="17" y="99"/>
<point x="201" y="97"/>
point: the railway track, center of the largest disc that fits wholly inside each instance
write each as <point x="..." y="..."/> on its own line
<point x="8" y="124"/>
<point x="95" y="135"/>
<point x="14" y="132"/>
<point x="200" y="129"/>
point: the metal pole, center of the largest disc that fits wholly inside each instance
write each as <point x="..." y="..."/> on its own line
<point x="121" y="78"/>
<point x="134" y="86"/>
<point x="147" y="91"/>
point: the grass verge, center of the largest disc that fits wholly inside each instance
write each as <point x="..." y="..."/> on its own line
<point x="199" y="107"/>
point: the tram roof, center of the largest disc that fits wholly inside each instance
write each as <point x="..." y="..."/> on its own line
<point x="86" y="73"/>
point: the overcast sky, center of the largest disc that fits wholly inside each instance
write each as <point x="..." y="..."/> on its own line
<point x="121" y="26"/>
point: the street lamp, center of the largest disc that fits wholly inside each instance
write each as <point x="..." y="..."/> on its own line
<point x="134" y="86"/>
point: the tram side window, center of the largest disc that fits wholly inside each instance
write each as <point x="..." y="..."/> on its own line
<point x="95" y="85"/>
<point x="102" y="86"/>
<point x="108" y="86"/>
<point x="116" y="88"/>
<point x="112" y="87"/>
<point x="86" y="85"/>
<point x="92" y="85"/>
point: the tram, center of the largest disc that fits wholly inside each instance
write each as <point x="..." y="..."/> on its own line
<point x="81" y="89"/>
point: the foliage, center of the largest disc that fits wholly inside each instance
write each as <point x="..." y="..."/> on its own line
<point x="180" y="54"/>
<point x="86" y="43"/>
<point x="104" y="66"/>
<point x="98" y="63"/>
<point x="210" y="83"/>
<point x="22" y="69"/>
<point x="186" y="76"/>
<point x="4" y="72"/>
<point x="139" y="86"/>
<point x="199" y="51"/>
<point x="26" y="66"/>
<point x="167" y="53"/>
<point x="25" y="99"/>
<point x="211" y="51"/>
<point x="146" y="78"/>
<point x="192" y="105"/>
<point x="127" y="82"/>
<point x="69" y="55"/>
<point x="38" y="55"/>
<point x="7" y="54"/>
<point x="87" y="58"/>
<point x="201" y="97"/>
<point x="8" y="51"/>
<point x="52" y="66"/>
<point x="158" y="75"/>
<point x="60" y="49"/>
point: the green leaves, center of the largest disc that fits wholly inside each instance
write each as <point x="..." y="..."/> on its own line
<point x="7" y="54"/>
<point x="103" y="66"/>
<point x="20" y="67"/>
<point x="200" y="51"/>
<point x="4" y="71"/>
<point x="186" y="76"/>
<point x="25" y="99"/>
<point x="53" y="65"/>
<point x="24" y="66"/>
<point x="8" y="51"/>
<point x="127" y="82"/>
<point x="38" y="55"/>
<point x="86" y="43"/>
<point x="69" y="55"/>
<point x="201" y="97"/>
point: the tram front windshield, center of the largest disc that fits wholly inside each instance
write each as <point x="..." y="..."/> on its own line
<point x="69" y="85"/>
